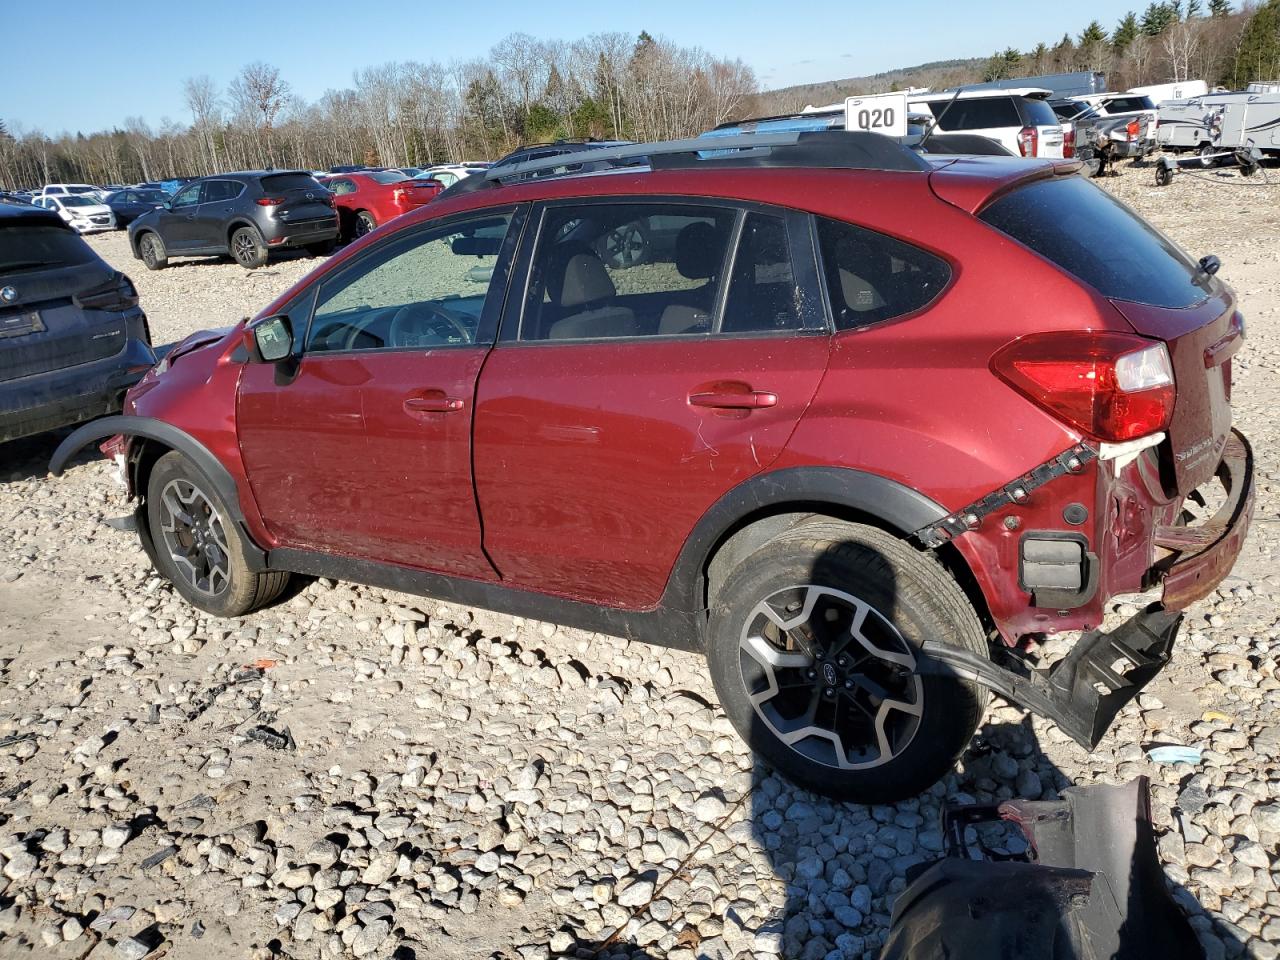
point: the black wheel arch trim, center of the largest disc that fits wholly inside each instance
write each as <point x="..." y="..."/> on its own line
<point x="804" y="488"/>
<point x="174" y="438"/>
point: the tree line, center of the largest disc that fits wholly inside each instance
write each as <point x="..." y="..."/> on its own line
<point x="607" y="86"/>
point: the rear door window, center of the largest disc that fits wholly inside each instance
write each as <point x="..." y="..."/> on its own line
<point x="1099" y="240"/>
<point x="763" y="293"/>
<point x="1038" y="113"/>
<point x="871" y="278"/>
<point x="220" y="190"/>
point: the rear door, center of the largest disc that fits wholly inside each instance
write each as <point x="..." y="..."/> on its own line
<point x="365" y="451"/>
<point x="217" y="204"/>
<point x="629" y="393"/>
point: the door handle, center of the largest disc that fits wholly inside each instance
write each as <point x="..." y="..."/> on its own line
<point x="731" y="400"/>
<point x="433" y="404"/>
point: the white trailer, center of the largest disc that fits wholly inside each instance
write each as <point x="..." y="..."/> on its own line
<point x="1221" y="122"/>
<point x="1176" y="90"/>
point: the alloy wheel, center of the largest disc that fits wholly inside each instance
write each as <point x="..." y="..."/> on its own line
<point x="831" y="677"/>
<point x="625" y="246"/>
<point x="364" y="224"/>
<point x="245" y="248"/>
<point x="193" y="536"/>
<point x="149" y="250"/>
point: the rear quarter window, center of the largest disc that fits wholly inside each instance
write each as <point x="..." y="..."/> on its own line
<point x="1099" y="240"/>
<point x="1039" y="113"/>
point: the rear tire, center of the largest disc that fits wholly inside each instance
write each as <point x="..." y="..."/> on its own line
<point x="1205" y="153"/>
<point x="248" y="248"/>
<point x="151" y="248"/>
<point x="365" y="223"/>
<point x="812" y="644"/>
<point x="199" y="548"/>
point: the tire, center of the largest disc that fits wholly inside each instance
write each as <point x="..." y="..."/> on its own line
<point x="217" y="578"/>
<point x="248" y="248"/>
<point x="365" y="223"/>
<point x="626" y="245"/>
<point x="835" y="575"/>
<point x="321" y="249"/>
<point x="151" y="248"/>
<point x="1205" y="153"/>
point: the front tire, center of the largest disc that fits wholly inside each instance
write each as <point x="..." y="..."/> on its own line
<point x="151" y="247"/>
<point x="248" y="248"/>
<point x="812" y="645"/>
<point x="199" y="548"/>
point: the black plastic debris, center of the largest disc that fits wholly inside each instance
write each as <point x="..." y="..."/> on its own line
<point x="271" y="738"/>
<point x="1089" y="888"/>
<point x="159" y="857"/>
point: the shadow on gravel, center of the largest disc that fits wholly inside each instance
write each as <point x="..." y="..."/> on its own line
<point x="28" y="458"/>
<point x="845" y="866"/>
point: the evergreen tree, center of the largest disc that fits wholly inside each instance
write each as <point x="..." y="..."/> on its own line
<point x="1219" y="8"/>
<point x="1258" y="57"/>
<point x="1125" y="31"/>
<point x="1157" y="17"/>
<point x="1194" y="10"/>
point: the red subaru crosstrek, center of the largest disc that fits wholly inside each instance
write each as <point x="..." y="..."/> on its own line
<point x="861" y="423"/>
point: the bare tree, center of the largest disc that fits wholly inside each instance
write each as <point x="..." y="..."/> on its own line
<point x="259" y="91"/>
<point x="201" y="95"/>
<point x="1180" y="42"/>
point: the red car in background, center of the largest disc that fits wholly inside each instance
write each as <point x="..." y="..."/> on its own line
<point x="365" y="201"/>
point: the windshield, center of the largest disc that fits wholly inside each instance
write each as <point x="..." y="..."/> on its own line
<point x="27" y="247"/>
<point x="78" y="201"/>
<point x="150" y="196"/>
<point x="1096" y="238"/>
<point x="81" y="189"/>
<point x="387" y="176"/>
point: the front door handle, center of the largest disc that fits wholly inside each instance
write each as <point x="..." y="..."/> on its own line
<point x="734" y="400"/>
<point x="439" y="404"/>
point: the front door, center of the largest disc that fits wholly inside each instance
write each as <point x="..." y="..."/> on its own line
<point x="178" y="223"/>
<point x="665" y="353"/>
<point x="366" y="451"/>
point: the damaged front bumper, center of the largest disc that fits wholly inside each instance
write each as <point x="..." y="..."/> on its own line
<point x="1091" y="887"/>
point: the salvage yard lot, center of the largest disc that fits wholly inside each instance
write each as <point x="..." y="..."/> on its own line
<point x="353" y="771"/>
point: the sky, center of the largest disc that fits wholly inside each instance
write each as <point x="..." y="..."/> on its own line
<point x="105" y="60"/>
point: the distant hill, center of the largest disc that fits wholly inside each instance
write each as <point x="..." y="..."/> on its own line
<point x="937" y="74"/>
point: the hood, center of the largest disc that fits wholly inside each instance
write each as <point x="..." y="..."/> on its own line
<point x="194" y="341"/>
<point x="96" y="210"/>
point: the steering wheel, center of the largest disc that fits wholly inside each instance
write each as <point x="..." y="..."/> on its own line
<point x="416" y="322"/>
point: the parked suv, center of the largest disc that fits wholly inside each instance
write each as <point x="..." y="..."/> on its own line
<point x="747" y="444"/>
<point x="72" y="336"/>
<point x="246" y="215"/>
<point x="1019" y="119"/>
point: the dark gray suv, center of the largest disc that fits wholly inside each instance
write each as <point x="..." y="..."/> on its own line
<point x="72" y="336"/>
<point x="246" y="215"/>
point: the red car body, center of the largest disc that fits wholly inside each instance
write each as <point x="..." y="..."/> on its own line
<point x="594" y="482"/>
<point x="367" y="193"/>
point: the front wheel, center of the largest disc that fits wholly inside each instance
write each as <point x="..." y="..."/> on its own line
<point x="813" y="646"/>
<point x="153" y="253"/>
<point x="199" y="547"/>
<point x="248" y="248"/>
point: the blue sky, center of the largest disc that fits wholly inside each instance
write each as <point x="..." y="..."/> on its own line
<point x="143" y="49"/>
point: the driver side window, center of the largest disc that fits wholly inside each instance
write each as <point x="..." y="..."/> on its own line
<point x="187" y="196"/>
<point x="420" y="291"/>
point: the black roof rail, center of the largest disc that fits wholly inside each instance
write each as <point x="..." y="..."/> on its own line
<point x="836" y="149"/>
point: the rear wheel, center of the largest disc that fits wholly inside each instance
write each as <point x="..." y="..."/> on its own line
<point x="248" y="248"/>
<point x="813" y="646"/>
<point x="1206" y="155"/>
<point x="198" y="547"/>
<point x="153" y="253"/>
<point x="365" y="223"/>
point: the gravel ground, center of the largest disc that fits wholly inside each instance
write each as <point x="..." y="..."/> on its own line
<point x="356" y="772"/>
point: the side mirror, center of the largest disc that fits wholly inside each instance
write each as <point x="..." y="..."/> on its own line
<point x="269" y="340"/>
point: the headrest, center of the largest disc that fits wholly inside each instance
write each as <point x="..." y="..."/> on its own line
<point x="698" y="251"/>
<point x="585" y="281"/>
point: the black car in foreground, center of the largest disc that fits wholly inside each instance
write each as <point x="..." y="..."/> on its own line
<point x="72" y="336"/>
<point x="246" y="215"/>
<point x="130" y="203"/>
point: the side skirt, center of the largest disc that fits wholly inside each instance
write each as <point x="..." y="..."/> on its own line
<point x="661" y="626"/>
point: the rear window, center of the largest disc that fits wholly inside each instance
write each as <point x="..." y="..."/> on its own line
<point x="1129" y="104"/>
<point x="289" y="181"/>
<point x="387" y="176"/>
<point x="1068" y="110"/>
<point x="1097" y="239"/>
<point x="1038" y="113"/>
<point x="33" y="247"/>
<point x="982" y="114"/>
<point x="871" y="277"/>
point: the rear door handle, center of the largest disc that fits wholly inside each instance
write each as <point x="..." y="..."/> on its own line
<point x="727" y="400"/>
<point x="433" y="404"/>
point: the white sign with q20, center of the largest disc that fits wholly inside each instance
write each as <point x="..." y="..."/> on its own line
<point x="882" y="113"/>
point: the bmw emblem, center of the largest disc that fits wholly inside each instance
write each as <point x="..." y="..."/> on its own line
<point x="8" y="294"/>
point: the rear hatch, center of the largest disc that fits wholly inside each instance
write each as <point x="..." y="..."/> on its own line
<point x="44" y="269"/>
<point x="1156" y="287"/>
<point x="1050" y="139"/>
<point x="300" y="196"/>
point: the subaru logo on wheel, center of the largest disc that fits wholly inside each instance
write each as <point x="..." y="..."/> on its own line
<point x="310" y="195"/>
<point x="829" y="674"/>
<point x="8" y="294"/>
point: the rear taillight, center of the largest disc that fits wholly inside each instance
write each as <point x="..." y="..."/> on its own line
<point x="1069" y="143"/>
<point x="1111" y="386"/>
<point x="1132" y="128"/>
<point x="269" y="201"/>
<point x="117" y="295"/>
<point x="1029" y="141"/>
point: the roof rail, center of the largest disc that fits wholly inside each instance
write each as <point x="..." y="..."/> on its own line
<point x="839" y="149"/>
